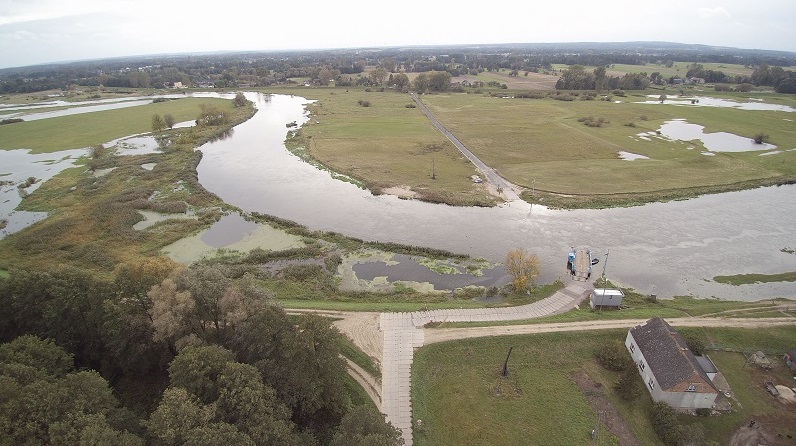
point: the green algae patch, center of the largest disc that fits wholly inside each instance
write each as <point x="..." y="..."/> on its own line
<point x="193" y="248"/>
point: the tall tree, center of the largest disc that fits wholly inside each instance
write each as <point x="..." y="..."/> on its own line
<point x="49" y="404"/>
<point x="364" y="426"/>
<point x="523" y="267"/>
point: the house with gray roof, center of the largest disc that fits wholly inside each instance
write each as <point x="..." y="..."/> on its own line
<point x="671" y="372"/>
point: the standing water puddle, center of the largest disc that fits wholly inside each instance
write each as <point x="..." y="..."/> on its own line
<point x="715" y="142"/>
<point x="16" y="166"/>
<point x="228" y="230"/>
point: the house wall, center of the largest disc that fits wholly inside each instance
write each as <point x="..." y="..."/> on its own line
<point x="650" y="382"/>
<point x="678" y="399"/>
<point x="688" y="400"/>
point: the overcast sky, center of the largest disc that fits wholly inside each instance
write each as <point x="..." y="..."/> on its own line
<point x="41" y="31"/>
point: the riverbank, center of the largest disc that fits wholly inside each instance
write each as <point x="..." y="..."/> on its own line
<point x="542" y="146"/>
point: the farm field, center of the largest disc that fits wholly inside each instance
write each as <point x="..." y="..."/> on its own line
<point x="458" y="393"/>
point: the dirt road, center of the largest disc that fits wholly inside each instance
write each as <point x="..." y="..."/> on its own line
<point x="450" y="334"/>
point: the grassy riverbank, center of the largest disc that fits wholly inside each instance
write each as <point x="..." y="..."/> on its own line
<point x="89" y="129"/>
<point x="458" y="393"/>
<point x="544" y="145"/>
<point x="388" y="143"/>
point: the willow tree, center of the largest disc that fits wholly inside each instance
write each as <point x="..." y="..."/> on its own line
<point x="524" y="267"/>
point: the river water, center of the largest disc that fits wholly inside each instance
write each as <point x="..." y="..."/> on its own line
<point x="666" y="249"/>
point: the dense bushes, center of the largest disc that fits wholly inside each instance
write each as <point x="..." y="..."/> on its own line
<point x="614" y="356"/>
<point x="591" y="121"/>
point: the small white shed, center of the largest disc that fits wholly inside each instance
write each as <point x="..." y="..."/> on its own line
<point x="606" y="297"/>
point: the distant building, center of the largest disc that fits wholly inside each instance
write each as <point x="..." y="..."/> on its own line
<point x="670" y="370"/>
<point x="606" y="298"/>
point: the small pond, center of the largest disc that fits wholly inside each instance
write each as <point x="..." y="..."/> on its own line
<point x="682" y="130"/>
<point x="704" y="101"/>
<point x="405" y="268"/>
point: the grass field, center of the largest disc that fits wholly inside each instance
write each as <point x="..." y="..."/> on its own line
<point x="387" y="144"/>
<point x="678" y="69"/>
<point x="459" y="395"/>
<point x="87" y="129"/>
<point x="542" y="142"/>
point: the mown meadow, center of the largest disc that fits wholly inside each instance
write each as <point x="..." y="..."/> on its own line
<point x="459" y="394"/>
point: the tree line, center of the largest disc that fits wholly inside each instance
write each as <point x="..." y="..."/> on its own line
<point x="168" y="355"/>
<point x="264" y="69"/>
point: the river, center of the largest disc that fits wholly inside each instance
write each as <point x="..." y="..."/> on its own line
<point x="665" y="249"/>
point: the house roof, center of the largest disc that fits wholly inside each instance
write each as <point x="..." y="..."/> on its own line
<point x="667" y="355"/>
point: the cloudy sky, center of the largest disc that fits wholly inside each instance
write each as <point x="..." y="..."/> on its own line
<point x="41" y="31"/>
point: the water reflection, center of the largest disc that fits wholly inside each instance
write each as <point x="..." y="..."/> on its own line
<point x="663" y="248"/>
<point x="716" y="142"/>
<point x="16" y="167"/>
<point x="705" y="101"/>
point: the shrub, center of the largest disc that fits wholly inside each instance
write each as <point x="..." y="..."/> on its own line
<point x="760" y="138"/>
<point x="614" y="356"/>
<point x="591" y="121"/>
<point x="301" y="272"/>
<point x="619" y="93"/>
<point x="703" y="412"/>
<point x="531" y="95"/>
<point x="332" y="262"/>
<point x="412" y="105"/>
<point x="744" y="88"/>
<point x="694" y="343"/>
<point x="643" y="117"/>
<point x="629" y="387"/>
<point x="630" y="124"/>
<point x="363" y="103"/>
<point x="664" y="422"/>
<point x="11" y="121"/>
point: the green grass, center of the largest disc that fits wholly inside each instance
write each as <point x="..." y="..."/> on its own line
<point x="455" y="388"/>
<point x="386" y="145"/>
<point x="678" y="69"/>
<point x="541" y="142"/>
<point x="358" y="357"/>
<point x="745" y="279"/>
<point x="356" y="393"/>
<point x="88" y="129"/>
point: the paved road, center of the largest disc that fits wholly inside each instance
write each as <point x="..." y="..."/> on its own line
<point x="500" y="183"/>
